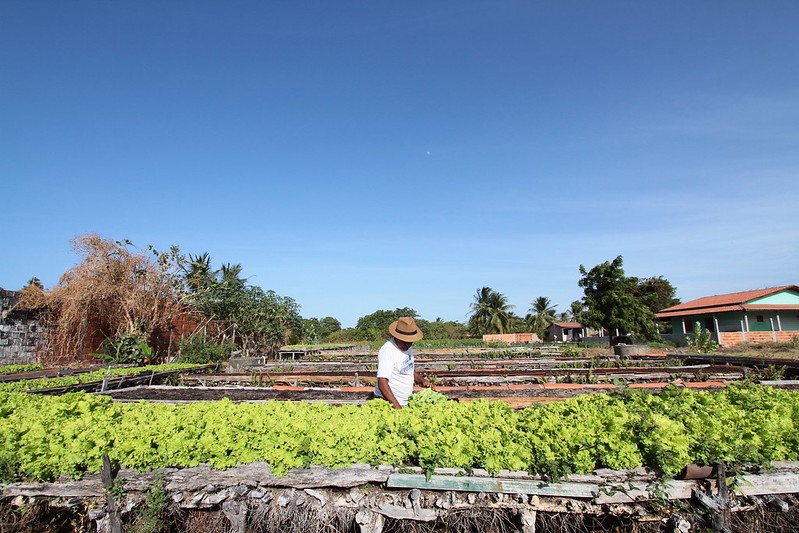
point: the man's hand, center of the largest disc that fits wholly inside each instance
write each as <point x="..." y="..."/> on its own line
<point x="388" y="394"/>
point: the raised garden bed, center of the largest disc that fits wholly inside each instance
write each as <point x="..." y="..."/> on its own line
<point x="372" y="500"/>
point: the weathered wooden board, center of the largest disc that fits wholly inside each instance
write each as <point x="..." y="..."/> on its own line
<point x="776" y="483"/>
<point x="641" y="491"/>
<point x="503" y="485"/>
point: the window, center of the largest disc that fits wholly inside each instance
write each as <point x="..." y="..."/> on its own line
<point x="760" y="318"/>
<point x="710" y="325"/>
<point x="689" y="326"/>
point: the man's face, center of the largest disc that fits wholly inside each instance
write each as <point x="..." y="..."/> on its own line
<point x="403" y="345"/>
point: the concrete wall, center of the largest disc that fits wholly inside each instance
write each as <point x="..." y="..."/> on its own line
<point x="21" y="334"/>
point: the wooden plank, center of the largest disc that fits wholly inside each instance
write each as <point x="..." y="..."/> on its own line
<point x="631" y="492"/>
<point x="108" y="475"/>
<point x="758" y="484"/>
<point x="477" y="484"/>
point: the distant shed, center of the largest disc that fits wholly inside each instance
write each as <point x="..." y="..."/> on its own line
<point x="565" y="332"/>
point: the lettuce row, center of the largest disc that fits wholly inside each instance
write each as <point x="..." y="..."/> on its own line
<point x="44" y="437"/>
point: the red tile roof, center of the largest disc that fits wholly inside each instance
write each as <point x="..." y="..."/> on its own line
<point x="734" y="301"/>
<point x="568" y="324"/>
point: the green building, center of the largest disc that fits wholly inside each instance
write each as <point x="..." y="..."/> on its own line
<point x="763" y="315"/>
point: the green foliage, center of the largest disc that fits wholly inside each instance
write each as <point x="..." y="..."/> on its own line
<point x="448" y="343"/>
<point x="261" y="321"/>
<point x="88" y="377"/>
<point x="43" y="437"/>
<point x="126" y="348"/>
<point x="656" y="293"/>
<point x="542" y="314"/>
<point x="702" y="340"/>
<point x="427" y="396"/>
<point x="317" y="330"/>
<point x="442" y="330"/>
<point x="375" y="326"/>
<point x="199" y="350"/>
<point x="17" y="369"/>
<point x="571" y="350"/>
<point x="491" y="313"/>
<point x="610" y="301"/>
<point x="151" y="517"/>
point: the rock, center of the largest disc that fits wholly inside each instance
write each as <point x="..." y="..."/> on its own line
<point x="319" y="495"/>
<point x="356" y="494"/>
<point x="236" y="512"/>
<point x="217" y="497"/>
<point x="285" y="498"/>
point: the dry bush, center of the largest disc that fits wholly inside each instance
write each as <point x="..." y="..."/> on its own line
<point x="115" y="289"/>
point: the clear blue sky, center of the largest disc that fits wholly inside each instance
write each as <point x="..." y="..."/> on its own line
<point x="358" y="156"/>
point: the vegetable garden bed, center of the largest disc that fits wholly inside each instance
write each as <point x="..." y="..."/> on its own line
<point x="591" y="462"/>
<point x="366" y="499"/>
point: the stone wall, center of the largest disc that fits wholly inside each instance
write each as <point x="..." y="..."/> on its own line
<point x="21" y="334"/>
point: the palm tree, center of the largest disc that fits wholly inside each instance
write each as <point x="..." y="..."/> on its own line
<point x="197" y="272"/>
<point x="490" y="312"/>
<point x="231" y="274"/>
<point x="542" y="314"/>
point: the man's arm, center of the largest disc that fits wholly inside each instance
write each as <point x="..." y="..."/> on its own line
<point x="419" y="379"/>
<point x="388" y="394"/>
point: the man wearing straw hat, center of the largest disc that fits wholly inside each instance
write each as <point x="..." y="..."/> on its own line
<point x="396" y="374"/>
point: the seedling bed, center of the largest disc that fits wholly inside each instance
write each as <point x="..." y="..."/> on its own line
<point x="518" y="396"/>
<point x="447" y="363"/>
<point x="120" y="382"/>
<point x="790" y="366"/>
<point x="48" y="373"/>
<point x="477" y="376"/>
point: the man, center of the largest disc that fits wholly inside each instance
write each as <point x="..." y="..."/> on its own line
<point x="396" y="374"/>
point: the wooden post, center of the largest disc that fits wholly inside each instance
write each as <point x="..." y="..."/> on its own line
<point x="107" y="476"/>
<point x="722" y="519"/>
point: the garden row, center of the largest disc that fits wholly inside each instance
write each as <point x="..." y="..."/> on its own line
<point x="44" y="437"/>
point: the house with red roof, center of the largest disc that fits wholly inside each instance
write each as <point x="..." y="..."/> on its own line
<point x="762" y="315"/>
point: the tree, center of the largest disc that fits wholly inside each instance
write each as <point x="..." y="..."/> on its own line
<point x="610" y="301"/>
<point x="231" y="273"/>
<point x="542" y="314"/>
<point x="375" y="326"/>
<point x="576" y="310"/>
<point x="315" y="330"/>
<point x="440" y="329"/>
<point x="490" y="312"/>
<point x="257" y="321"/>
<point x="116" y="292"/>
<point x="197" y="272"/>
<point x="655" y="293"/>
<point x="264" y="320"/>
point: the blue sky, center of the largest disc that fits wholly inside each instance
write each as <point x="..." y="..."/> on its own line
<point x="358" y="156"/>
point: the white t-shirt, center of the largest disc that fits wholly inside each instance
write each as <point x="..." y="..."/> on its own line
<point x="397" y="366"/>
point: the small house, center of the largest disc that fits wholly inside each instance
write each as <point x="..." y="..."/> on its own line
<point x="762" y="315"/>
<point x="565" y="332"/>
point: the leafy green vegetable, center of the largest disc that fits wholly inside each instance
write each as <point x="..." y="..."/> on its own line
<point x="44" y="437"/>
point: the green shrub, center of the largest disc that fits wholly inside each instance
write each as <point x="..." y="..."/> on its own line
<point x="702" y="341"/>
<point x="126" y="348"/>
<point x="199" y="350"/>
<point x="571" y="350"/>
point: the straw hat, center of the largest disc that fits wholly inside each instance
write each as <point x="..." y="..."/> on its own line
<point x="405" y="329"/>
